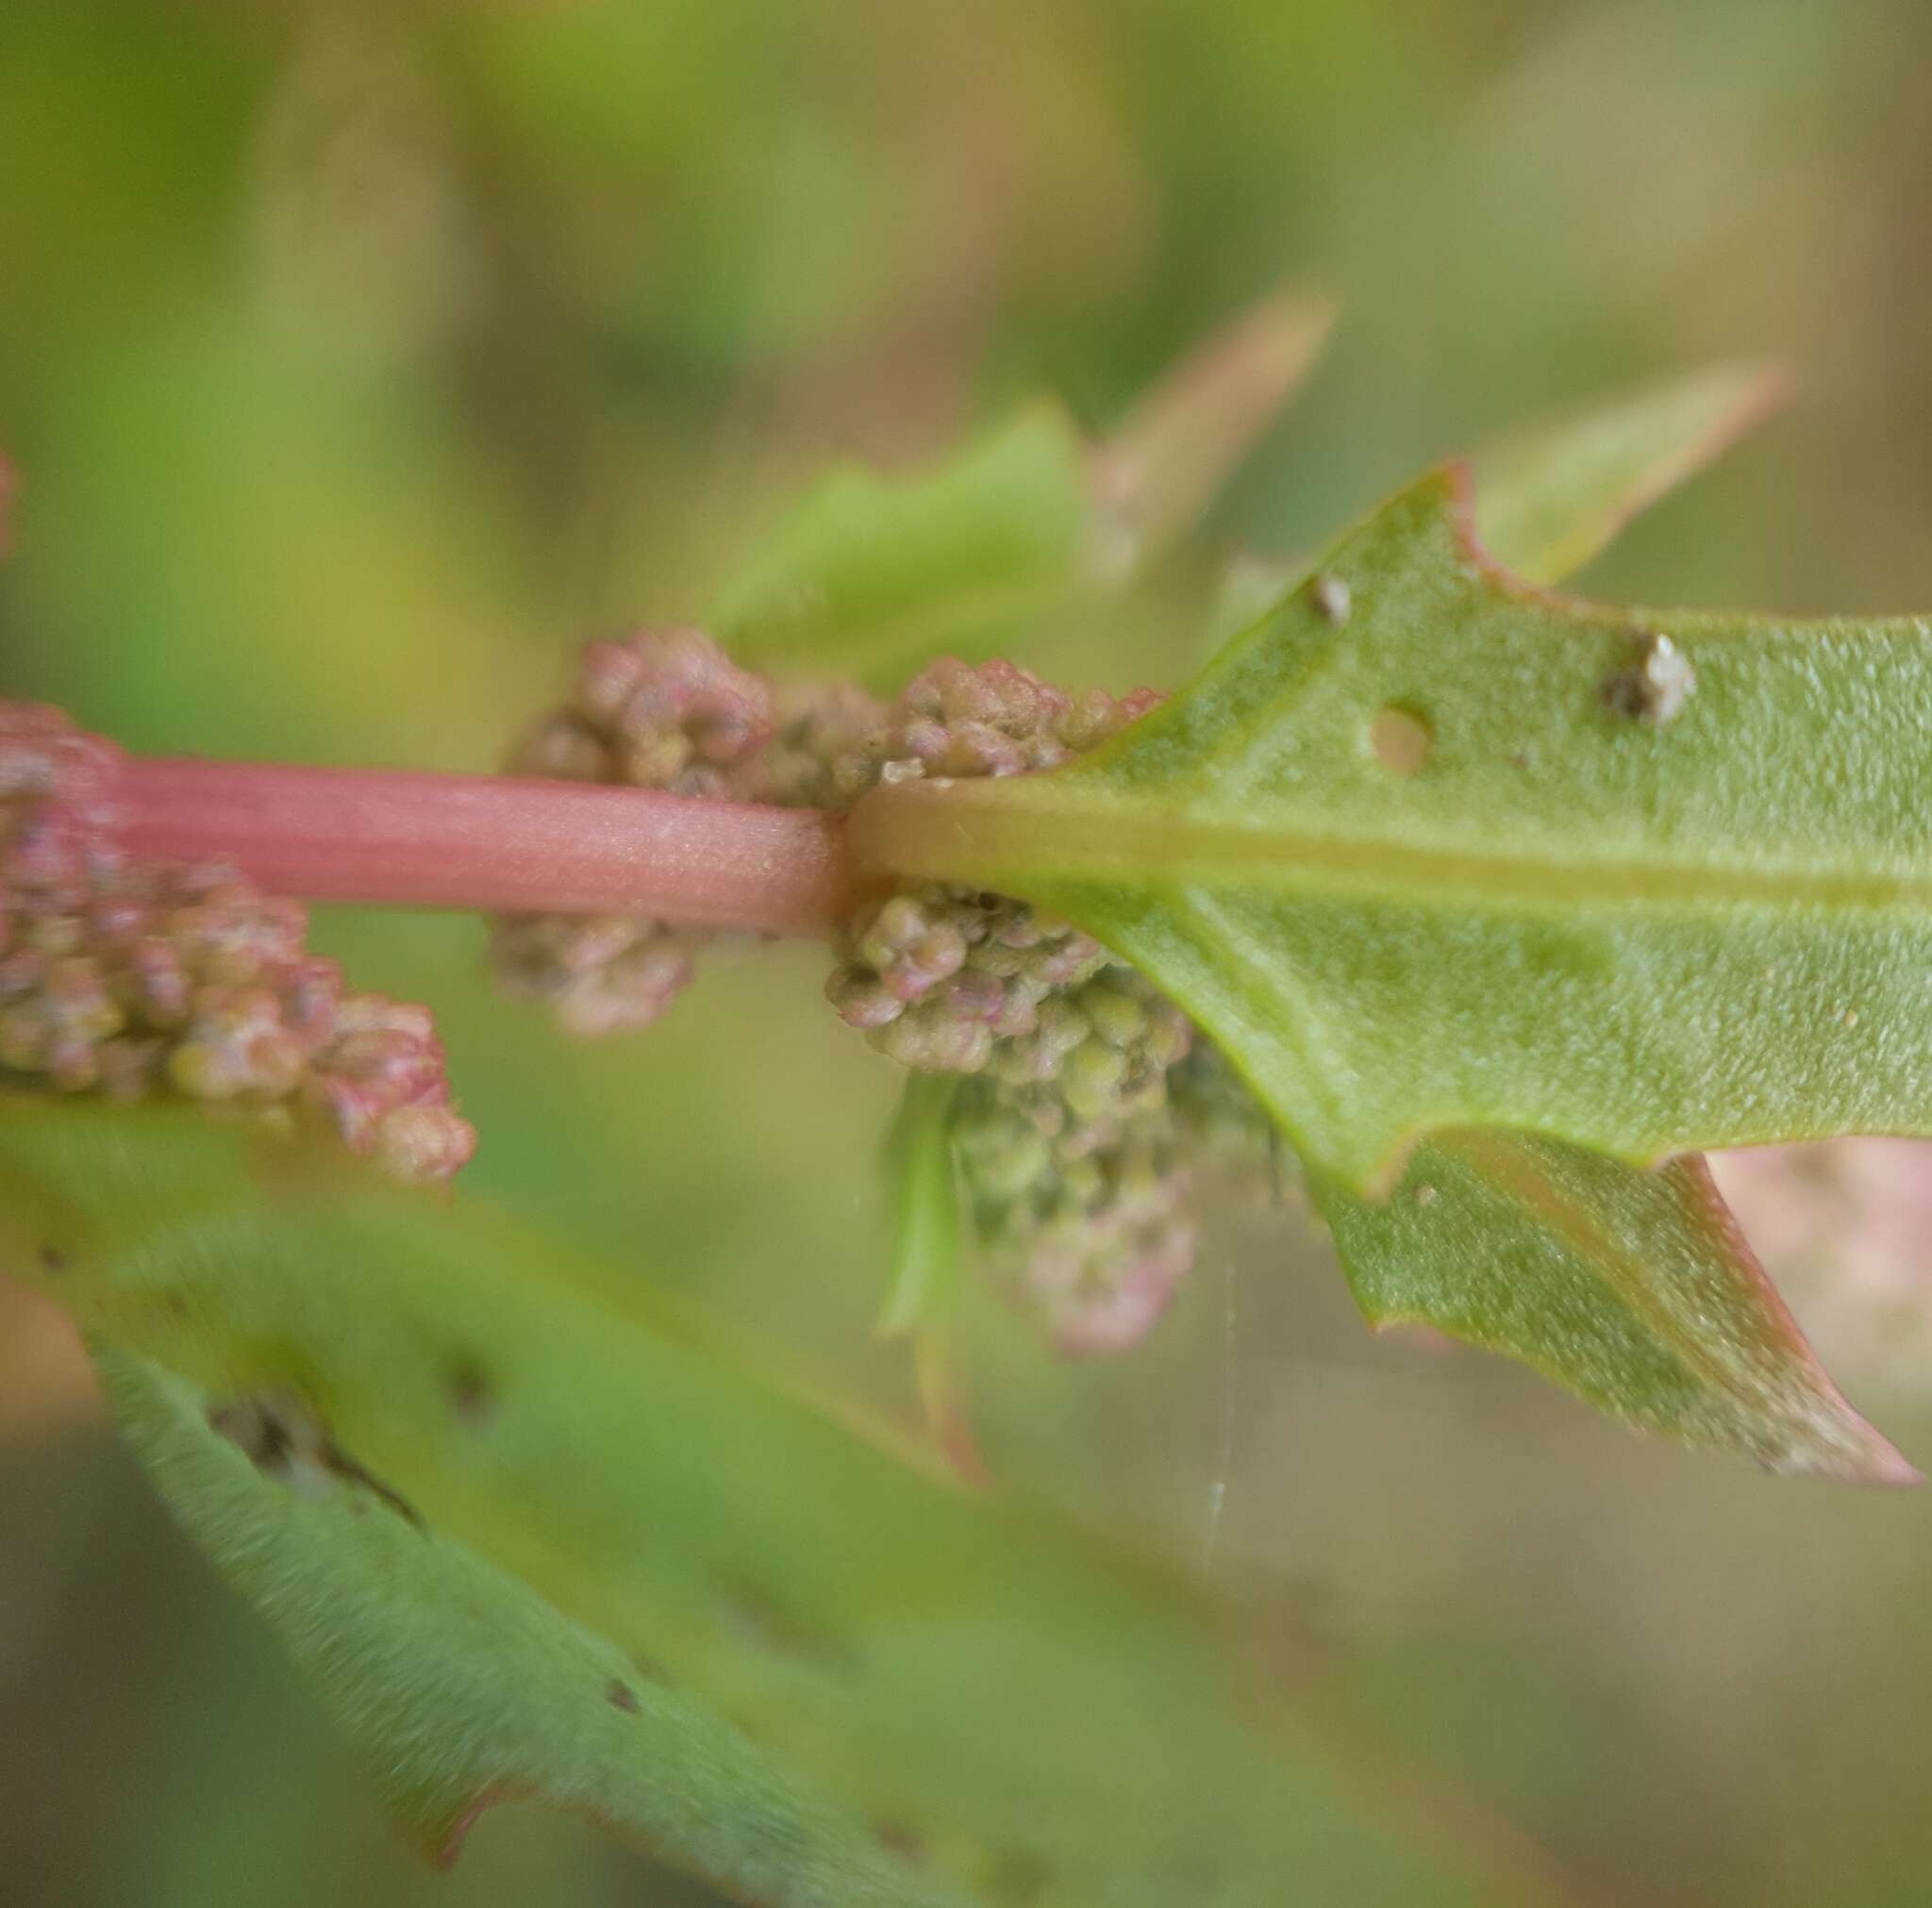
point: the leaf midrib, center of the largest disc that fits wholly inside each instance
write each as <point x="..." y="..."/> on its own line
<point x="994" y="832"/>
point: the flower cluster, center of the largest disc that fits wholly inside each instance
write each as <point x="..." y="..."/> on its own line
<point x="659" y="709"/>
<point x="1090" y="1106"/>
<point x="1077" y="1164"/>
<point x="961" y="720"/>
<point x="665" y="709"/>
<point x="135" y="978"/>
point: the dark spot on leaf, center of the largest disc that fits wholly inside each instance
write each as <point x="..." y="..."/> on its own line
<point x="622" y="1695"/>
<point x="1399" y="739"/>
<point x="52" y="1259"/>
<point x="900" y="1840"/>
<point x="259" y="1430"/>
<point x="284" y="1438"/>
<point x="472" y="1396"/>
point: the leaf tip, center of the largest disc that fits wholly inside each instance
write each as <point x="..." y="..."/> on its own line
<point x="1734" y="398"/>
<point x="1851" y="1451"/>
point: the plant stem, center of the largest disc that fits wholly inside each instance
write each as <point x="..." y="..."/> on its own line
<point x="491" y="843"/>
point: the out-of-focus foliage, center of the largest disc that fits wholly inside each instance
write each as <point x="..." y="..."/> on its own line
<point x="761" y="1575"/>
<point x="356" y="361"/>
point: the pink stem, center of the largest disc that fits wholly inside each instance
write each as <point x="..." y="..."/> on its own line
<point x="491" y="843"/>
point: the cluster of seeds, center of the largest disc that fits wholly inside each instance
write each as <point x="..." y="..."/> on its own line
<point x="820" y="740"/>
<point x="666" y="709"/>
<point x="1088" y="1107"/>
<point x="936" y="977"/>
<point x="960" y="719"/>
<point x="1078" y="1166"/>
<point x="133" y="978"/>
<point x="659" y="709"/>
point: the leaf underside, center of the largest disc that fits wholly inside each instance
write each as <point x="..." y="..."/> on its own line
<point x="1631" y="1286"/>
<point x="1556" y="885"/>
<point x="645" y="1586"/>
<point x="1644" y="938"/>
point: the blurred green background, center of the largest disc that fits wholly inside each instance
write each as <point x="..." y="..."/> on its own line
<point x="358" y="361"/>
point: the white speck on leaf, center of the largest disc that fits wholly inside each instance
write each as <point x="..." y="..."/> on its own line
<point x="1656" y="687"/>
<point x="1333" y="599"/>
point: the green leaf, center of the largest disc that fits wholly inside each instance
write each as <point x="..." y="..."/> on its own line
<point x="1633" y="1288"/>
<point x="1550" y="498"/>
<point x="1400" y="852"/>
<point x="603" y="1500"/>
<point x="923" y="1284"/>
<point x="872" y="575"/>
<point x="468" y="1689"/>
<point x="922" y="1299"/>
<point x="1161" y="468"/>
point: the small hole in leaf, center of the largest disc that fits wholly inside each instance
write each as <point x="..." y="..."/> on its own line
<point x="1399" y="739"/>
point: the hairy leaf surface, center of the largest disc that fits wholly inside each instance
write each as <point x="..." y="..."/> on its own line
<point x="603" y="1502"/>
<point x="1631" y="1286"/>
<point x="468" y="1689"/>
<point x="1408" y="853"/>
